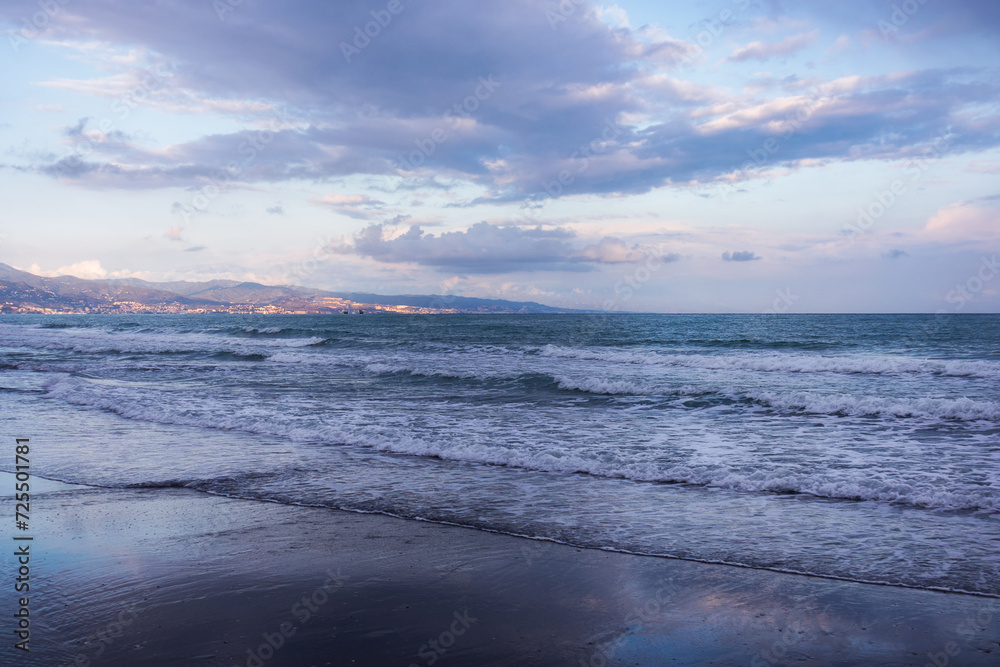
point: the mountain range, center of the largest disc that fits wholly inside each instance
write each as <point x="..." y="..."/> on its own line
<point x="23" y="292"/>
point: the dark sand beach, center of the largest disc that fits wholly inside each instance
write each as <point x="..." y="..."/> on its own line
<point x="177" y="577"/>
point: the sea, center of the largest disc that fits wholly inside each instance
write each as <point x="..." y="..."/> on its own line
<point x="855" y="447"/>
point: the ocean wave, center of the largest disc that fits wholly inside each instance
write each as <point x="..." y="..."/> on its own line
<point x="94" y="341"/>
<point x="165" y="484"/>
<point x="786" y="363"/>
<point x="239" y="356"/>
<point x="755" y="343"/>
<point x="964" y="409"/>
<point x="494" y="368"/>
<point x="200" y="484"/>
<point x="20" y="390"/>
<point x="528" y="379"/>
<point x="393" y="367"/>
<point x="592" y="385"/>
<point x="836" y="405"/>
<point x="264" y="330"/>
<point x="915" y="488"/>
<point x="379" y="368"/>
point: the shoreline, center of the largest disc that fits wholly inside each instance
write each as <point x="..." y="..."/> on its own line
<point x="548" y="540"/>
<point x="177" y="576"/>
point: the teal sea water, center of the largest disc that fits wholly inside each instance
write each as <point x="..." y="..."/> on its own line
<point x="850" y="446"/>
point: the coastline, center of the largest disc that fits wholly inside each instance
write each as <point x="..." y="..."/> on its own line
<point x="176" y="576"/>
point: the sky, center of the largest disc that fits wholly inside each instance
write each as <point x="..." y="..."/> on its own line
<point x="716" y="156"/>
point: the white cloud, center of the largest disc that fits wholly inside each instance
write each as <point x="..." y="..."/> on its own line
<point x="361" y="207"/>
<point x="90" y="269"/>
<point x="614" y="16"/>
<point x="766" y="50"/>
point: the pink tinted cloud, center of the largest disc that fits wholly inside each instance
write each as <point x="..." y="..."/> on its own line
<point x="766" y="50"/>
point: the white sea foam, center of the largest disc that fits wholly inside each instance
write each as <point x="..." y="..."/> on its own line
<point x="922" y="488"/>
<point x="476" y="365"/>
<point x="389" y="368"/>
<point x="682" y="451"/>
<point x="833" y="404"/>
<point x="595" y="385"/>
<point x="96" y="341"/>
<point x="865" y="406"/>
<point x="786" y="362"/>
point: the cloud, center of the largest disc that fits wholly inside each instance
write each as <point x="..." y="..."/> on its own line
<point x="614" y="15"/>
<point x="843" y="43"/>
<point x="197" y="248"/>
<point x="765" y="51"/>
<point x="895" y="253"/>
<point x="510" y="107"/>
<point x="173" y="233"/>
<point x="277" y="209"/>
<point x="486" y="248"/>
<point x="965" y="222"/>
<point x="88" y="270"/>
<point x="537" y="95"/>
<point x="361" y="207"/>
<point x="39" y="271"/>
<point x="740" y="256"/>
<point x="610" y="251"/>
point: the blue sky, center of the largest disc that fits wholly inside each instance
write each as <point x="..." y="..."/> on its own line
<point x="729" y="155"/>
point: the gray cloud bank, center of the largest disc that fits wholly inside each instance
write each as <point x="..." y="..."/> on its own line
<point x="497" y="97"/>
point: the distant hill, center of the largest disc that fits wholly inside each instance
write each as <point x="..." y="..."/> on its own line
<point x="23" y="292"/>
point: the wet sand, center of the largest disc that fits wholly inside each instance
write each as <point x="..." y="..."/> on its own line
<point x="177" y="577"/>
